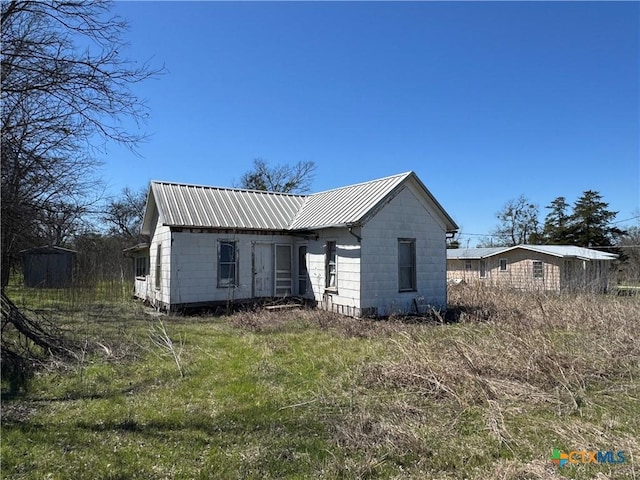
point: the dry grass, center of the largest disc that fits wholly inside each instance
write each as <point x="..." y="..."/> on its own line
<point x="486" y="391"/>
<point x="532" y="371"/>
<point x="498" y="382"/>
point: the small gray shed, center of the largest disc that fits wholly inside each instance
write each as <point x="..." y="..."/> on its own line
<point x="49" y="266"/>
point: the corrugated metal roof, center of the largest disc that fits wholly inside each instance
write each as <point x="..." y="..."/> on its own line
<point x="183" y="205"/>
<point x="200" y="206"/>
<point x="571" y="251"/>
<point x="565" y="251"/>
<point x="472" y="253"/>
<point x="345" y="205"/>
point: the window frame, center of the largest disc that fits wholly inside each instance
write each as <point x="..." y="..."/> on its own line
<point x="482" y="268"/>
<point x="468" y="265"/>
<point x="230" y="281"/>
<point x="331" y="266"/>
<point x="158" y="279"/>
<point x="411" y="242"/>
<point x="537" y="269"/>
<point x="141" y="267"/>
<point x="505" y="262"/>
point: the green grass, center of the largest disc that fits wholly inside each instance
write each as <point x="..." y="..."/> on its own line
<point x="306" y="394"/>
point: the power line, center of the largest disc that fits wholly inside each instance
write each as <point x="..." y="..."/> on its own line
<point x="626" y="220"/>
<point x="476" y="234"/>
<point x="461" y="234"/>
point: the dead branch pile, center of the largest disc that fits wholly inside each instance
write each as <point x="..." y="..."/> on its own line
<point x="29" y="339"/>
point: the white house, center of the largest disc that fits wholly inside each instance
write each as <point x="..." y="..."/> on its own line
<point x="369" y="249"/>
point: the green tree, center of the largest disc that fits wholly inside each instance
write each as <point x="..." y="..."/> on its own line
<point x="591" y="222"/>
<point x="557" y="229"/>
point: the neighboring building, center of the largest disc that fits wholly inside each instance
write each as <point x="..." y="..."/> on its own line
<point x="48" y="267"/>
<point x="532" y="267"/>
<point x="369" y="249"/>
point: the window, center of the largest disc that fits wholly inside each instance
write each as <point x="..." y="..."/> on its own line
<point x="503" y="264"/>
<point x="158" y="266"/>
<point x="302" y="270"/>
<point x="330" y="265"/>
<point x="538" y="269"/>
<point x="483" y="269"/>
<point x="227" y="264"/>
<point x="468" y="266"/>
<point x="406" y="264"/>
<point x="141" y="265"/>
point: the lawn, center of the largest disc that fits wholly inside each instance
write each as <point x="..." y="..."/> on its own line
<point x="487" y="392"/>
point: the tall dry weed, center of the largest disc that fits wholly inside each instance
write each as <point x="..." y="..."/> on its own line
<point x="515" y="352"/>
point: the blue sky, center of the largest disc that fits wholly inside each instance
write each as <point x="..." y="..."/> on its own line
<point x="485" y="101"/>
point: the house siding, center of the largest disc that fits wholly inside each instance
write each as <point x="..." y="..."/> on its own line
<point x="364" y="220"/>
<point x="346" y="297"/>
<point x="405" y="216"/>
<point x="581" y="275"/>
<point x="519" y="273"/>
<point x="195" y="266"/>
<point x="160" y="297"/>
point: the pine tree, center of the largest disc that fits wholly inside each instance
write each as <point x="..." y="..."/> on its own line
<point x="556" y="229"/>
<point x="590" y="222"/>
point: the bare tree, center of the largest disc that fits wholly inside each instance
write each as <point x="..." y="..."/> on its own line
<point x="124" y="215"/>
<point x="66" y="90"/>
<point x="281" y="178"/>
<point x="66" y="93"/>
<point x="518" y="224"/>
<point x="629" y="244"/>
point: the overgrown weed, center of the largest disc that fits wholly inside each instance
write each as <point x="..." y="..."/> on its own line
<point x="486" y="391"/>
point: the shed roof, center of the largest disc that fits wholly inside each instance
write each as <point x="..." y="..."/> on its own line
<point x="183" y="205"/>
<point x="49" y="249"/>
<point x="563" y="251"/>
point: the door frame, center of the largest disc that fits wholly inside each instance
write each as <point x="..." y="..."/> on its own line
<point x="254" y="271"/>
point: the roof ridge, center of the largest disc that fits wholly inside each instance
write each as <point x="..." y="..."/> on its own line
<point x="233" y="189"/>
<point x="405" y="174"/>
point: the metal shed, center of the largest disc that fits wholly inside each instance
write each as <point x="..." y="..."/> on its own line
<point x="49" y="266"/>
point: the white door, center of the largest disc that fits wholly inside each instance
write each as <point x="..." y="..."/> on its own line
<point x="283" y="270"/>
<point x="262" y="270"/>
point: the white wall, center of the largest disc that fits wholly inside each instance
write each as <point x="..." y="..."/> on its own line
<point x="407" y="215"/>
<point x="194" y="258"/>
<point x="346" y="298"/>
<point x="161" y="235"/>
<point x="367" y="271"/>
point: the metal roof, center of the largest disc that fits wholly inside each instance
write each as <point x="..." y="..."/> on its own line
<point x="472" y="253"/>
<point x="564" y="251"/>
<point x="183" y="205"/>
<point x="48" y="249"/>
<point x="345" y="205"/>
<point x="200" y="206"/>
<point x="571" y="251"/>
